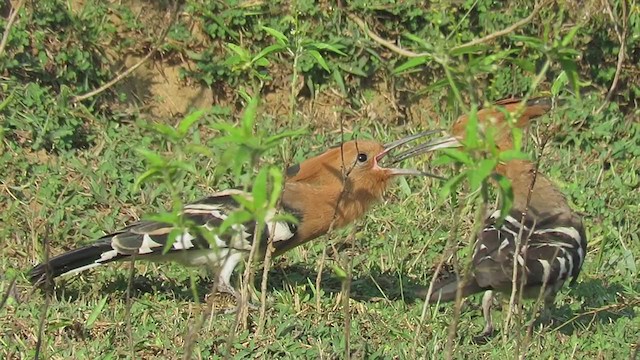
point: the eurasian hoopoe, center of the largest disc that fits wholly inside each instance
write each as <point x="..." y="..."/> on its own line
<point x="553" y="244"/>
<point x="330" y="190"/>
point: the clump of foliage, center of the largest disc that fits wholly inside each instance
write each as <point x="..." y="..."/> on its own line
<point x="73" y="169"/>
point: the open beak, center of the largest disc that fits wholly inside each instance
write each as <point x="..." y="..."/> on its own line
<point x="407" y="154"/>
<point x="441" y="143"/>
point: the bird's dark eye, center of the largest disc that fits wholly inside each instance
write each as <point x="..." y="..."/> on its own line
<point x="362" y="158"/>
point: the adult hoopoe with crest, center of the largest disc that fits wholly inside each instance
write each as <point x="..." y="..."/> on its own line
<point x="327" y="191"/>
<point x="553" y="243"/>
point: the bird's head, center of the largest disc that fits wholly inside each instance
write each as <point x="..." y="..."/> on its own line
<point x="354" y="166"/>
<point x="494" y="119"/>
<point x="339" y="185"/>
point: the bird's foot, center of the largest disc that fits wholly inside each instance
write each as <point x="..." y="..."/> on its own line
<point x="228" y="289"/>
<point x="485" y="336"/>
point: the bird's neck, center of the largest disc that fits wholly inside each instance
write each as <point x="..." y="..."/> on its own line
<point x="533" y="192"/>
<point x="320" y="209"/>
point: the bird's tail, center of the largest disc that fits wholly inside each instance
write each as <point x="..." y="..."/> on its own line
<point x="534" y="107"/>
<point x="73" y="262"/>
<point x="445" y="290"/>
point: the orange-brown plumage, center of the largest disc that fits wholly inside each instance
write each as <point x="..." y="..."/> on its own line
<point x="335" y="188"/>
<point x="541" y="234"/>
<point x="519" y="172"/>
<point x="328" y="191"/>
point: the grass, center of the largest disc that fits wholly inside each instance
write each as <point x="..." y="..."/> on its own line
<point x="69" y="174"/>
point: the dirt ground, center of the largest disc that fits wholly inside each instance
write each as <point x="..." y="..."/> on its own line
<point x="157" y="91"/>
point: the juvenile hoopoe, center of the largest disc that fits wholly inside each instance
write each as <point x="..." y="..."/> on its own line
<point x="330" y="190"/>
<point x="553" y="244"/>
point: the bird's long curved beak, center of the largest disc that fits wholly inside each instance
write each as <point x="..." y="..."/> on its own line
<point x="441" y="143"/>
<point x="407" y="154"/>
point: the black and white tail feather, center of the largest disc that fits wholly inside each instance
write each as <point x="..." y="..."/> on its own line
<point x="146" y="240"/>
<point x="551" y="251"/>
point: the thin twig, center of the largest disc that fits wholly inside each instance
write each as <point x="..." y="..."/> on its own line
<point x="7" y="294"/>
<point x="450" y="248"/>
<point x="346" y="305"/>
<point x="133" y="68"/>
<point x="47" y="296"/>
<point x="408" y="53"/>
<point x="7" y="31"/>
<point x="319" y="278"/>
<point x="542" y="292"/>
<point x="242" y="314"/>
<point x="505" y="31"/>
<point x="536" y="81"/>
<point x="265" y="277"/>
<point x="386" y="43"/>
<point x="610" y="307"/>
<point x="622" y="37"/>
<point x="128" y="305"/>
<point x="475" y="234"/>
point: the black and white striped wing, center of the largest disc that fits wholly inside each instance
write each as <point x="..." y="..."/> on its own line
<point x="146" y="240"/>
<point x="551" y="251"/>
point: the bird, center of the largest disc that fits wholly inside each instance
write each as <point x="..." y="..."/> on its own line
<point x="328" y="191"/>
<point x="553" y="243"/>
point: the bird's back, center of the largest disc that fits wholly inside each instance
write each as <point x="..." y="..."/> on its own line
<point x="552" y="250"/>
<point x="198" y="243"/>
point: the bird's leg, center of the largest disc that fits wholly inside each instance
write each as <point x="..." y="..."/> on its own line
<point x="223" y="282"/>
<point x="487" y="332"/>
<point x="549" y="304"/>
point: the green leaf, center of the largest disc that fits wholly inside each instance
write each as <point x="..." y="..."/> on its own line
<point x="199" y="149"/>
<point x="273" y="140"/>
<point x="152" y="158"/>
<point x="517" y="134"/>
<point x="281" y="38"/>
<point x="340" y="273"/>
<point x="6" y="101"/>
<point x="96" y="312"/>
<point x="186" y="166"/>
<point x="325" y="46"/>
<point x="188" y="121"/>
<point x="530" y="41"/>
<point x="244" y="201"/>
<point x="571" y="69"/>
<point x="411" y="64"/>
<point x="266" y="51"/>
<point x="422" y="42"/>
<point x="277" y="177"/>
<point x="337" y="77"/>
<point x="352" y="69"/>
<point x="512" y="154"/>
<point x="559" y="83"/>
<point x="525" y="64"/>
<point x="249" y="115"/>
<point x="471" y="138"/>
<point x="506" y="194"/>
<point x="144" y="177"/>
<point x="451" y="185"/>
<point x="404" y="186"/>
<point x="164" y="217"/>
<point x="475" y="49"/>
<point x="172" y="237"/>
<point x="261" y="62"/>
<point x="570" y="35"/>
<point x="319" y="59"/>
<point x="239" y="217"/>
<point x="458" y="155"/>
<point x="479" y="174"/>
<point x="166" y="130"/>
<point x="259" y="190"/>
<point x="242" y="53"/>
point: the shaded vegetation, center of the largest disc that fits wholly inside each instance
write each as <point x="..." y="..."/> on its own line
<point x="71" y="170"/>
